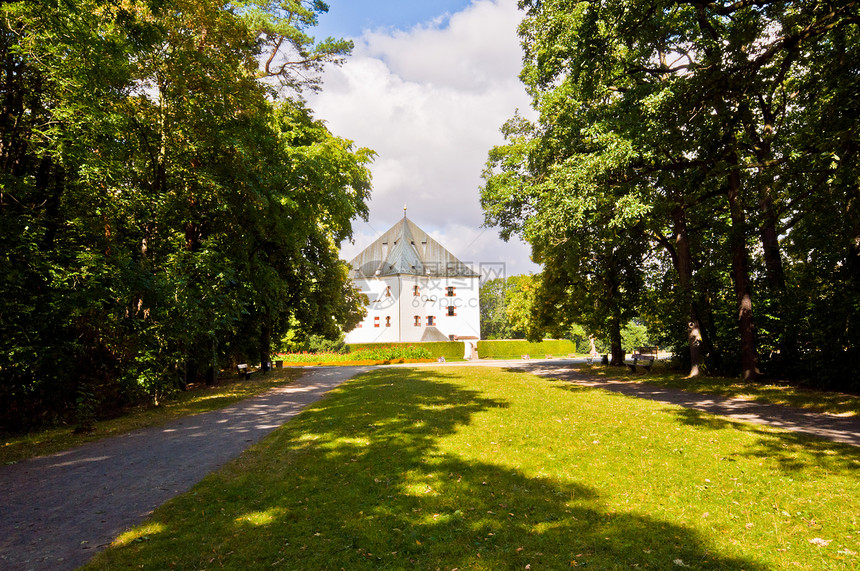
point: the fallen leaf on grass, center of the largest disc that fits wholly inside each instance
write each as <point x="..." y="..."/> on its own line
<point x="820" y="542"/>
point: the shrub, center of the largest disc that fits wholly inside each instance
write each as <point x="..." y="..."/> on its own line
<point x="515" y="348"/>
<point x="365" y="355"/>
<point x="451" y="350"/>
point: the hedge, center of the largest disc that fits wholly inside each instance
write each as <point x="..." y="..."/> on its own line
<point x="451" y="350"/>
<point x="516" y="348"/>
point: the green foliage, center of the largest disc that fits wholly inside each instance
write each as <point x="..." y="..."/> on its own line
<point x="515" y="349"/>
<point x="319" y="344"/>
<point x="450" y="350"/>
<point x="494" y="319"/>
<point x="693" y="166"/>
<point x="160" y="213"/>
<point x="633" y="336"/>
<point x="506" y="307"/>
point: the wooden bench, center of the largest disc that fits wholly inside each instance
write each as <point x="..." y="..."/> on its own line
<point x="643" y="354"/>
<point x="244" y="371"/>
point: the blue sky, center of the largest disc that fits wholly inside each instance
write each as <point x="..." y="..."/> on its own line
<point x="349" y="18"/>
<point x="428" y="87"/>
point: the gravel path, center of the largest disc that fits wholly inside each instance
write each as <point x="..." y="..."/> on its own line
<point x="57" y="511"/>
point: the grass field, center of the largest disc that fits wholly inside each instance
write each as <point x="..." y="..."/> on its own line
<point x="477" y="468"/>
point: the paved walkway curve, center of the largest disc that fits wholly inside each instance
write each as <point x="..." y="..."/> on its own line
<point x="57" y="511"/>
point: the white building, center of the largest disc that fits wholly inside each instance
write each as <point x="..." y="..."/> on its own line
<point x="418" y="291"/>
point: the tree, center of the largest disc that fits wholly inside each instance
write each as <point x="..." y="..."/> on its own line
<point x="683" y="123"/>
<point x="159" y="213"/>
<point x="291" y="56"/>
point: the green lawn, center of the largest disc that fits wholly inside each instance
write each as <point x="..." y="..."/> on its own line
<point x="227" y="390"/>
<point x="477" y="468"/>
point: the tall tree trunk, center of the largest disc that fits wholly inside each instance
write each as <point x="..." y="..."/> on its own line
<point x="740" y="276"/>
<point x="615" y="311"/>
<point x="684" y="266"/>
<point x="775" y="275"/>
<point x="265" y="341"/>
<point x="616" y="348"/>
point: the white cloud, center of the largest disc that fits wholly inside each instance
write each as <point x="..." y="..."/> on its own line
<point x="430" y="102"/>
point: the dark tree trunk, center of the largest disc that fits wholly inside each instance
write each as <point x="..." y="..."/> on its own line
<point x="775" y="274"/>
<point x="740" y="276"/>
<point x="617" y="351"/>
<point x="265" y="341"/>
<point x="684" y="266"/>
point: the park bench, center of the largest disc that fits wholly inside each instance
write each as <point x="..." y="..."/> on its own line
<point x="646" y="355"/>
<point x="244" y="371"/>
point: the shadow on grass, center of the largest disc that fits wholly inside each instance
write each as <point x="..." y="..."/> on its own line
<point x="360" y="481"/>
<point x="793" y="451"/>
<point x="783" y="446"/>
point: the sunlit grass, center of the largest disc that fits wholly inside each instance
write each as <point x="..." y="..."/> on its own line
<point x="199" y="398"/>
<point x="140" y="533"/>
<point x="765" y="392"/>
<point x="475" y="468"/>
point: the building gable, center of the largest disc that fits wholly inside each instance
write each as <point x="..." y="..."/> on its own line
<point x="405" y="249"/>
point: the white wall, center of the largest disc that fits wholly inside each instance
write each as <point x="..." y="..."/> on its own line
<point x="373" y="328"/>
<point x="402" y="307"/>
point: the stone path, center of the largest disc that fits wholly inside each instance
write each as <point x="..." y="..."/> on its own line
<point x="57" y="511"/>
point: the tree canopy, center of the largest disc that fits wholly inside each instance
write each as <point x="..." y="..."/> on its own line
<point x="164" y="208"/>
<point x="695" y="164"/>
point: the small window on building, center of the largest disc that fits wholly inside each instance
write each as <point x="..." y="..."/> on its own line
<point x="388" y="321"/>
<point x="451" y="311"/>
<point x="388" y="291"/>
<point x="430" y="320"/>
<point x="451" y="292"/>
<point x="417" y="321"/>
<point x="376" y="321"/>
<point x="416" y="290"/>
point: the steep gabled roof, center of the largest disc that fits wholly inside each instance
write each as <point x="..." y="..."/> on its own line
<point x="407" y="249"/>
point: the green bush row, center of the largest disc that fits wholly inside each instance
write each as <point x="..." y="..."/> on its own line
<point x="405" y="351"/>
<point x="451" y="350"/>
<point x="515" y="348"/>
